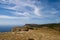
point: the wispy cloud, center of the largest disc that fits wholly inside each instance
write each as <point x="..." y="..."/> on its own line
<point x="35" y="11"/>
<point x="20" y="7"/>
<point x="8" y="17"/>
<point x="12" y="17"/>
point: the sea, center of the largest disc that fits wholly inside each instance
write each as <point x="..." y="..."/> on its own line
<point x="6" y="28"/>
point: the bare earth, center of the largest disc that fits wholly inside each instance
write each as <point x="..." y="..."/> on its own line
<point x="41" y="34"/>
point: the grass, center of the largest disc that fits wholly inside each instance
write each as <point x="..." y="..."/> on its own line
<point x="40" y="34"/>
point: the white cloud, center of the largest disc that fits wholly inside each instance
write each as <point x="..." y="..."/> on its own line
<point x="53" y="11"/>
<point x="37" y="11"/>
<point x="8" y="17"/>
<point x="13" y="17"/>
<point x="25" y="14"/>
<point x="20" y="4"/>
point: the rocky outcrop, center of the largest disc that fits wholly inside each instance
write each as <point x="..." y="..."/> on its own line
<point x="25" y="28"/>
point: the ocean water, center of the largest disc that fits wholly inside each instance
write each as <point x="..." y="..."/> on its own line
<point x="5" y="28"/>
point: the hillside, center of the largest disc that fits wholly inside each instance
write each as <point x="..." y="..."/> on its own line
<point x="41" y="34"/>
<point x="55" y="26"/>
<point x="33" y="32"/>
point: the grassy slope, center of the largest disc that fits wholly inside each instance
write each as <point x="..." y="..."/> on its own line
<point x="41" y="34"/>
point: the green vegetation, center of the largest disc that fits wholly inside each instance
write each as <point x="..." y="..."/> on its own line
<point x="48" y="25"/>
<point x="55" y="26"/>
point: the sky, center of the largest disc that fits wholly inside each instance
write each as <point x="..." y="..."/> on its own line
<point x="20" y="12"/>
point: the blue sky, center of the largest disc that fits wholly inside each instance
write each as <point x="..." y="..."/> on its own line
<point x="19" y="12"/>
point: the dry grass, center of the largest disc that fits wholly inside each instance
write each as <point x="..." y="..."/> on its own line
<point x="41" y="34"/>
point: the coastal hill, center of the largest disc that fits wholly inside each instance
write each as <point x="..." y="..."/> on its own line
<point x="32" y="32"/>
<point x="55" y="26"/>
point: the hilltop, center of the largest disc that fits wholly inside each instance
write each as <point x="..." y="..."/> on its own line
<point x="55" y="26"/>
